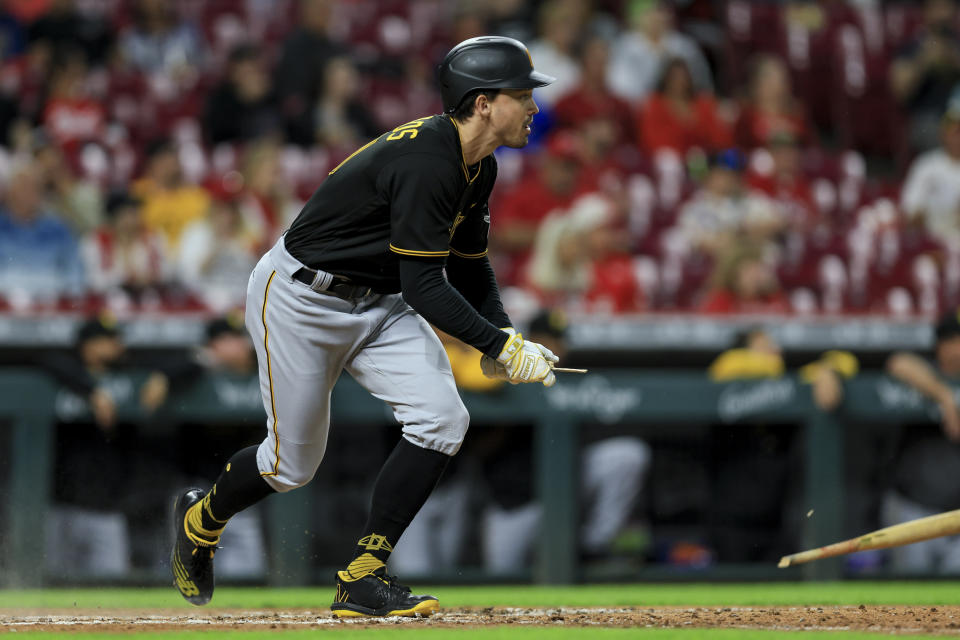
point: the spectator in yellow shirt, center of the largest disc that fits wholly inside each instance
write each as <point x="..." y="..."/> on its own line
<point x="170" y="203"/>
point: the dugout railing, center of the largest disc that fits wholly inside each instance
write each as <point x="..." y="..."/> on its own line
<point x="31" y="404"/>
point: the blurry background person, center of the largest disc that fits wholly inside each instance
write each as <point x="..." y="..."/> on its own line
<point x="301" y="69"/>
<point x="770" y="107"/>
<point x="341" y="120"/>
<point x="612" y="473"/>
<point x="79" y="200"/>
<point x="761" y="524"/>
<point x="86" y="531"/>
<point x="676" y="116"/>
<point x="557" y="178"/>
<point x="786" y="184"/>
<point x="581" y="258"/>
<point x="744" y="282"/>
<point x="436" y="540"/>
<point x="756" y="354"/>
<point x="591" y="97"/>
<point x="723" y="210"/>
<point x="926" y="71"/>
<point x="926" y="468"/>
<point x="226" y="352"/>
<point x="96" y="529"/>
<point x="560" y="25"/>
<point x="217" y="254"/>
<point x="71" y="115"/>
<point x="39" y="256"/>
<point x="639" y="53"/>
<point x="69" y="30"/>
<point x="122" y="257"/>
<point x="499" y="459"/>
<point x="170" y="203"/>
<point x="160" y="43"/>
<point x="243" y="106"/>
<point x="930" y="197"/>
<point x="267" y="198"/>
<point x="750" y="525"/>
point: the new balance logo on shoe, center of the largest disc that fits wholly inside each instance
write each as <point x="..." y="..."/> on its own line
<point x="191" y="559"/>
<point x="374" y="542"/>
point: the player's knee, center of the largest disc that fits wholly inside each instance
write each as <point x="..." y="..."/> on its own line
<point x="443" y="430"/>
<point x="459" y="423"/>
<point x="291" y="480"/>
<point x="293" y="468"/>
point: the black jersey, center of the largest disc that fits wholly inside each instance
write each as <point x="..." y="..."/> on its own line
<point x="406" y="193"/>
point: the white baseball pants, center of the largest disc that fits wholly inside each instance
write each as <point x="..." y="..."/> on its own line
<point x="305" y="339"/>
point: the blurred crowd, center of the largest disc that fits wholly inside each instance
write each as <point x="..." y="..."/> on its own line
<point x="722" y="156"/>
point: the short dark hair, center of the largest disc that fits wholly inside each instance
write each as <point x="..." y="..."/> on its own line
<point x="243" y="52"/>
<point x="743" y="338"/>
<point x="948" y="325"/>
<point x="119" y="200"/>
<point x="551" y="322"/>
<point x="466" y="107"/>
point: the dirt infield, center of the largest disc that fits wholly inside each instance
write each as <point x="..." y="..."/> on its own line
<point x="943" y="620"/>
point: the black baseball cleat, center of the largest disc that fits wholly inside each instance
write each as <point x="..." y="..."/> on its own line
<point x="375" y="594"/>
<point x="190" y="559"/>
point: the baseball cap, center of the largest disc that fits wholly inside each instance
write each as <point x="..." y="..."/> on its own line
<point x="731" y="159"/>
<point x="231" y="323"/>
<point x="118" y="200"/>
<point x="948" y="326"/>
<point x="103" y="325"/>
<point x="551" y="322"/>
<point x="952" y="111"/>
<point x="563" y="146"/>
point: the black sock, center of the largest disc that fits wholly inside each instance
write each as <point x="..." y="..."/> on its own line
<point x="239" y="486"/>
<point x="403" y="485"/>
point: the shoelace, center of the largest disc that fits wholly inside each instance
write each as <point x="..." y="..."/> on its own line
<point x="392" y="581"/>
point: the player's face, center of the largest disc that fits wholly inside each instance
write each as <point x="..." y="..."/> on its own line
<point x="512" y="115"/>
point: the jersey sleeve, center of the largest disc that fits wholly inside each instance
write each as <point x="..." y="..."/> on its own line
<point x="423" y="192"/>
<point x="470" y="236"/>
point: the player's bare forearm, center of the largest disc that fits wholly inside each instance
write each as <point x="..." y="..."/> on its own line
<point x="915" y="372"/>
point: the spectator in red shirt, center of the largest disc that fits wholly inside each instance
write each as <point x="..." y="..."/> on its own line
<point x="744" y="283"/>
<point x="71" y="116"/>
<point x="771" y="107"/>
<point x="678" y="117"/>
<point x="786" y="184"/>
<point x="557" y="181"/>
<point x="592" y="98"/>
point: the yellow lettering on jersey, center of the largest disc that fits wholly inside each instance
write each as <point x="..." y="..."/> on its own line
<point x="456" y="223"/>
<point x="409" y="129"/>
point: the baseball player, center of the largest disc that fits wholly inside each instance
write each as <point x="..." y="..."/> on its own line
<point x="394" y="240"/>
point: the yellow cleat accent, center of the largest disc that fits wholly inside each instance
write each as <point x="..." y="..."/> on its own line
<point x="423" y="609"/>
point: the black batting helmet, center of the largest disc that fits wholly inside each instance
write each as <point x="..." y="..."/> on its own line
<point x="487" y="62"/>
